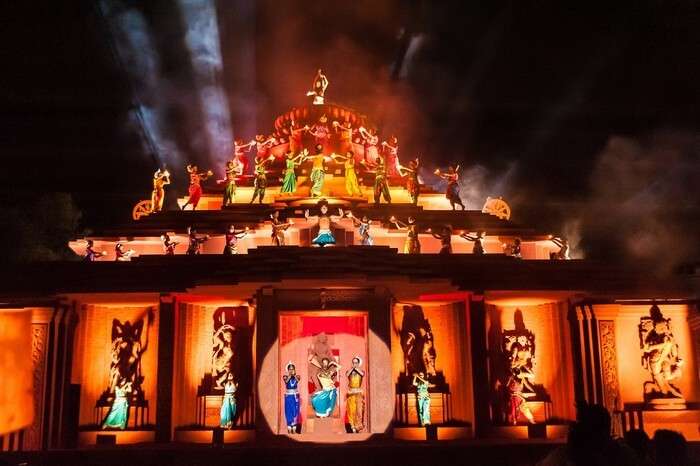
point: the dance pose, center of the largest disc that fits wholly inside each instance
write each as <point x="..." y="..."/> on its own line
<point x="452" y="193"/>
<point x="391" y="154"/>
<point x="118" y="415"/>
<point x="195" y="242"/>
<point x="515" y="250"/>
<point x="263" y="145"/>
<point x="355" y="401"/>
<point x="346" y="132"/>
<point x="320" y="132"/>
<point x="231" y="239"/>
<point x="352" y="186"/>
<point x="323" y="400"/>
<point x="369" y="140"/>
<point x="260" y="182"/>
<point x="412" y="245"/>
<point x="292" y="403"/>
<point x="121" y="254"/>
<point x="295" y="135"/>
<point x="90" y="254"/>
<point x="278" y="228"/>
<point x="318" y="171"/>
<point x="412" y="183"/>
<point x="325" y="236"/>
<point x="234" y="168"/>
<point x="161" y="178"/>
<point x="289" y="184"/>
<point x="563" y="253"/>
<point x="239" y="152"/>
<point x="422" y="397"/>
<point x="228" y="404"/>
<point x="478" y="241"/>
<point x="168" y="244"/>
<point x="318" y="88"/>
<point x="363" y="229"/>
<point x="381" y="185"/>
<point x="518" y="401"/>
<point x="445" y="237"/>
<point x="195" y="189"/>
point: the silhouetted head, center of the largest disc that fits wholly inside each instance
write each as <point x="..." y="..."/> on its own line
<point x="670" y="448"/>
<point x="638" y="440"/>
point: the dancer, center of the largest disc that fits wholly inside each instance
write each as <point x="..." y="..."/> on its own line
<point x="118" y="415"/>
<point x="234" y="168"/>
<point x="478" y="241"/>
<point x="260" y="182"/>
<point x="452" y="193"/>
<point x="363" y="229"/>
<point x="381" y="186"/>
<point x="320" y="132"/>
<point x="289" y="184"/>
<point x="391" y="154"/>
<point x="292" y="403"/>
<point x="325" y="236"/>
<point x="121" y="254"/>
<point x="518" y="401"/>
<point x="412" y="245"/>
<point x="231" y="239"/>
<point x="195" y="189"/>
<point x="445" y="237"/>
<point x="168" y="244"/>
<point x="263" y="145"/>
<point x="422" y="397"/>
<point x="239" y="152"/>
<point x="318" y="88"/>
<point x="228" y="404"/>
<point x="90" y="254"/>
<point x="515" y="249"/>
<point x="355" y="401"/>
<point x="323" y="400"/>
<point x="195" y="242"/>
<point x="318" y="172"/>
<point x="412" y="183"/>
<point x="346" y="131"/>
<point x="369" y="140"/>
<point x="352" y="186"/>
<point x="563" y="253"/>
<point x="161" y="178"/>
<point x="295" y="135"/>
<point x="278" y="228"/>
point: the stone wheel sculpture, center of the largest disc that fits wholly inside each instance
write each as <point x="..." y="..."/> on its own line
<point x="497" y="207"/>
<point x="141" y="209"/>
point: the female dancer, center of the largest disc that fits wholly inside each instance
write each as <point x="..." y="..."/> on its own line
<point x="292" y="403"/>
<point x="231" y="239"/>
<point x="278" y="228"/>
<point x="289" y="184"/>
<point x="478" y="241"/>
<point x="323" y="400"/>
<point x="370" y="141"/>
<point x="168" y="244"/>
<point x="355" y="401"/>
<point x="161" y="178"/>
<point x="195" y="189"/>
<point x="452" y="193"/>
<point x="234" y="168"/>
<point x="412" y="245"/>
<point x="363" y="230"/>
<point x="260" y="182"/>
<point x="228" y="404"/>
<point x="325" y="236"/>
<point x="412" y="183"/>
<point x="352" y="186"/>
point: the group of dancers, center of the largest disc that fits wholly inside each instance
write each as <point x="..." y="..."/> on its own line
<point x="324" y="399"/>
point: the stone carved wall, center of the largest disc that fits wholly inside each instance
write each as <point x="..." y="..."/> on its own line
<point x="608" y="363"/>
<point x="32" y="436"/>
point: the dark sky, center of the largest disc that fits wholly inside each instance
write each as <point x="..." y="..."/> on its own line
<point x="543" y="85"/>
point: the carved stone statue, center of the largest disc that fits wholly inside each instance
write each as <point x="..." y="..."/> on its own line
<point x="659" y="356"/>
<point x="519" y="348"/>
<point x="127" y="350"/>
<point x="417" y="342"/>
<point x="222" y="349"/>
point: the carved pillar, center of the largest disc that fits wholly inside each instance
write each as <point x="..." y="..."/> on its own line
<point x="479" y="353"/>
<point x="586" y="353"/>
<point x="166" y="355"/>
<point x="609" y="380"/>
<point x="40" y="335"/>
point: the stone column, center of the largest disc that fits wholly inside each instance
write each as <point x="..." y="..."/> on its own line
<point x="479" y="353"/>
<point x="166" y="355"/>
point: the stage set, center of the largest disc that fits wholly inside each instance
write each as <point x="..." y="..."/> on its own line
<point x="343" y="303"/>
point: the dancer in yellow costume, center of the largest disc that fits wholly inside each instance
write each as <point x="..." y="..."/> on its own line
<point x="352" y="186"/>
<point x="355" y="401"/>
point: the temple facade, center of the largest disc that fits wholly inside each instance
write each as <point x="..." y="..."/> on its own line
<point x="446" y="324"/>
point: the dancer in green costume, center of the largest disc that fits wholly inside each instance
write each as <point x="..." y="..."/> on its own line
<point x="289" y="184"/>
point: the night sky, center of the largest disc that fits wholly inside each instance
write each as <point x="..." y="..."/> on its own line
<point x="568" y="109"/>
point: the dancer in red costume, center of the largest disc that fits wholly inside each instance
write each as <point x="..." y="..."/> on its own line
<point x="321" y="132"/>
<point x="295" y="135"/>
<point x="240" y="149"/>
<point x="391" y="155"/>
<point x="195" y="189"/>
<point x="452" y="178"/>
<point x="369" y="140"/>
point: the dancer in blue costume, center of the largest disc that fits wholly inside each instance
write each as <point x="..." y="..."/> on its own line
<point x="118" y="415"/>
<point x="423" y="397"/>
<point x="292" y="402"/>
<point x="363" y="229"/>
<point x="323" y="400"/>
<point x="228" y="405"/>
<point x="325" y="235"/>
